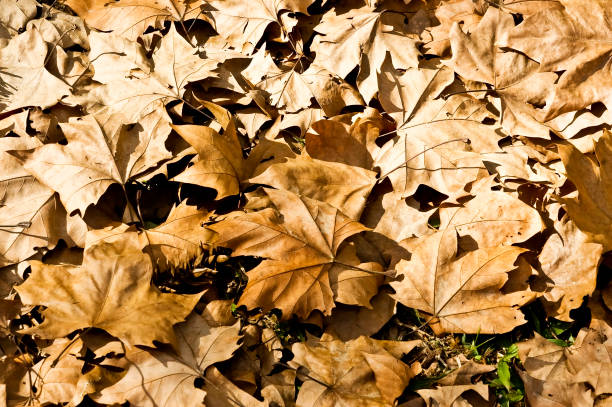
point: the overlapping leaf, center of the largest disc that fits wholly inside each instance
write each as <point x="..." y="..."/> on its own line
<point x="111" y="291"/>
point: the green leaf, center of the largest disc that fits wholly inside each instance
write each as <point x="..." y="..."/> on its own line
<point x="504" y="374"/>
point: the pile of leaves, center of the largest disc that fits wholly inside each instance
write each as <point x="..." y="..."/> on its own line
<point x="305" y="202"/>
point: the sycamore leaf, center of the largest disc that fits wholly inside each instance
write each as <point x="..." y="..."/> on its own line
<point x="30" y="213"/>
<point x="353" y="144"/>
<point x="450" y="388"/>
<point x="221" y="392"/>
<point x="94" y="159"/>
<point x="476" y="56"/>
<point x="57" y="378"/>
<point x="514" y="77"/>
<point x="490" y="219"/>
<point x="166" y="378"/>
<point x="220" y="162"/>
<point x="293" y="90"/>
<point x="362" y="37"/>
<point x="105" y="292"/>
<point x="591" y="211"/>
<point x="113" y="57"/>
<point x="177" y="242"/>
<point x="395" y="217"/>
<point x="181" y="237"/>
<point x="24" y="78"/>
<point x="343" y="186"/>
<point x="134" y="92"/>
<point x="14" y="16"/>
<point x="576" y="39"/>
<point x="61" y="29"/>
<point x="287" y="88"/>
<point x="300" y="238"/>
<point x="243" y="24"/>
<point x="131" y="18"/>
<point x="434" y="154"/>
<point x="362" y="371"/>
<point x="570" y="261"/>
<point x="349" y="322"/>
<point x="407" y="96"/>
<point x="555" y="374"/>
<point x="461" y="294"/>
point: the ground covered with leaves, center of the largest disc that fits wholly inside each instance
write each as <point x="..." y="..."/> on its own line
<point x="305" y="203"/>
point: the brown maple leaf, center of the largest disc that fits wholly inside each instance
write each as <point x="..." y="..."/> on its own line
<point x="24" y="77"/>
<point x="451" y="388"/>
<point x="462" y="294"/>
<point x="514" y="77"/>
<point x="491" y="219"/>
<point x="362" y="37"/>
<point x="300" y="237"/>
<point x="94" y="158"/>
<point x="166" y="378"/>
<point x="177" y="242"/>
<point x="571" y="262"/>
<point x="220" y="163"/>
<point x="133" y="90"/>
<point x="571" y="375"/>
<point x="30" y="213"/>
<point x="362" y="371"/>
<point x="591" y="211"/>
<point x="131" y="18"/>
<point x="575" y="39"/>
<point x="344" y="186"/>
<point x="243" y="24"/>
<point x="112" y="291"/>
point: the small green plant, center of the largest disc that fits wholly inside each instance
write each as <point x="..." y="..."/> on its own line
<point x="472" y="347"/>
<point x="556" y="331"/>
<point x="508" y="385"/>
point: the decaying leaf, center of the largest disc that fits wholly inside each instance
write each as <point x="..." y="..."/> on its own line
<point x="300" y="238"/>
<point x="361" y="371"/>
<point x="30" y="213"/>
<point x="461" y="293"/>
<point x="111" y="291"/>
<point x="131" y="18"/>
<point x="343" y="186"/>
<point x="24" y="78"/>
<point x="242" y="24"/>
<point x="158" y="378"/>
<point x="490" y="219"/>
<point x="591" y="209"/>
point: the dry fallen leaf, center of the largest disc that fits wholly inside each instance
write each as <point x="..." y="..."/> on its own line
<point x="93" y="160"/>
<point x="30" y="213"/>
<point x="220" y="163"/>
<point x="362" y="38"/>
<point x="491" y="219"/>
<point x="571" y="263"/>
<point x="460" y="294"/>
<point x="180" y="240"/>
<point x="300" y="238"/>
<point x="158" y="378"/>
<point x="242" y="24"/>
<point x="131" y="18"/>
<point x="133" y="93"/>
<point x="591" y="210"/>
<point x="114" y="282"/>
<point x="343" y="186"/>
<point x="459" y="381"/>
<point x="357" y="372"/>
<point x="24" y="79"/>
<point x="574" y="39"/>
